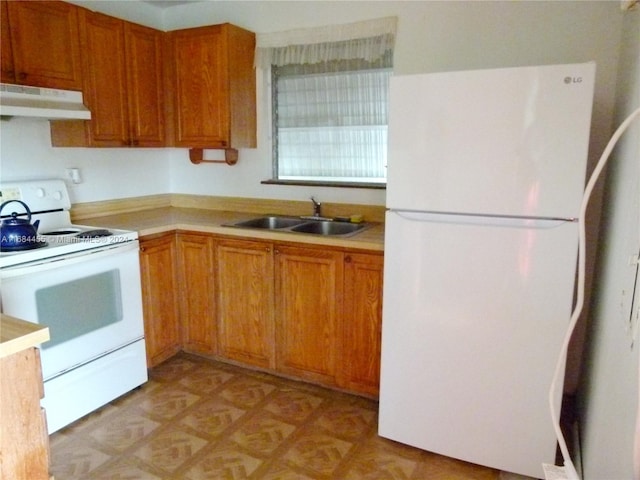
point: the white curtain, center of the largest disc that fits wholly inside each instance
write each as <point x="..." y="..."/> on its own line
<point x="367" y="40"/>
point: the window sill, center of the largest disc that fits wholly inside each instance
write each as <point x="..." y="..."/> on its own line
<point x="313" y="183"/>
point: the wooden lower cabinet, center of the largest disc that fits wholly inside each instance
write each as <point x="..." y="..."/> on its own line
<point x="245" y="302"/>
<point x="308" y="312"/>
<point x="197" y="287"/>
<point x="158" y="269"/>
<point x="24" y="443"/>
<point x="361" y="323"/>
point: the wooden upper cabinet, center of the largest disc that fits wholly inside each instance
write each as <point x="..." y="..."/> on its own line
<point x="215" y="87"/>
<point x="105" y="79"/>
<point x="7" y="73"/>
<point x="123" y="67"/>
<point x="145" y="85"/>
<point x="43" y="44"/>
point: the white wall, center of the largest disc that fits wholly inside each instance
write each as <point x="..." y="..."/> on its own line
<point x="432" y="36"/>
<point x="610" y="394"/>
<point x="26" y="153"/>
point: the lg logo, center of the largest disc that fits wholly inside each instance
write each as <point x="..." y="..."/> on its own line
<point x="570" y="80"/>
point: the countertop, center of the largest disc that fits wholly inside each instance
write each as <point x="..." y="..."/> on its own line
<point x="159" y="220"/>
<point x="17" y="335"/>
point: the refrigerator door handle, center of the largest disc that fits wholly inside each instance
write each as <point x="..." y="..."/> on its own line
<point x="486" y="220"/>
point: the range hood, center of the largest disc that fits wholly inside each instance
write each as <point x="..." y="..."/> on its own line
<point x="39" y="102"/>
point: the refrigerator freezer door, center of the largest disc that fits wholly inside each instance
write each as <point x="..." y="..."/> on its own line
<point x="510" y="141"/>
<point x="473" y="320"/>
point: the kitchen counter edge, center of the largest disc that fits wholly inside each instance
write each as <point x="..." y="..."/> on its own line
<point x="166" y="219"/>
<point x="17" y="335"/>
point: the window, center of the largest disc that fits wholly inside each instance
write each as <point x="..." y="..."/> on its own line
<point x="330" y="122"/>
<point x="329" y="101"/>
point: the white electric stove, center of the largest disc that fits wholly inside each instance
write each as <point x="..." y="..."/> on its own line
<point x="83" y="283"/>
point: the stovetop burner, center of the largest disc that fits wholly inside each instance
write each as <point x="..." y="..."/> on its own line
<point x="61" y="232"/>
<point x="96" y="233"/>
<point x="89" y="232"/>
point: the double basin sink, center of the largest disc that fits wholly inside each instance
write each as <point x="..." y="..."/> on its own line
<point x="319" y="226"/>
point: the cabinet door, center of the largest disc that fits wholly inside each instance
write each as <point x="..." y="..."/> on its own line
<point x="308" y="312"/>
<point x="145" y="85"/>
<point x="201" y="87"/>
<point x="44" y="40"/>
<point x="23" y="433"/>
<point x="362" y="322"/>
<point x="197" y="292"/>
<point x="124" y="86"/>
<point x="245" y="302"/>
<point x="158" y="258"/>
<point x="106" y="88"/>
<point x="7" y="73"/>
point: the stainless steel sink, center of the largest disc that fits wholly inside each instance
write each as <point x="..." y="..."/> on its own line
<point x="270" y="223"/>
<point x="302" y="225"/>
<point x="328" y="228"/>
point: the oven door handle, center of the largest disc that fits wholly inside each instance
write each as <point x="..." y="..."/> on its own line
<point x="65" y="260"/>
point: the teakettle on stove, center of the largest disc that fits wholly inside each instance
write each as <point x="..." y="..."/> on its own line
<point x="19" y="233"/>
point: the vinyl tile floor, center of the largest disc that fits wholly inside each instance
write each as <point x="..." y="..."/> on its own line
<point x="198" y="419"/>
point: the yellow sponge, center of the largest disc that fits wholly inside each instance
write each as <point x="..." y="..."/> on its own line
<point x="356" y="218"/>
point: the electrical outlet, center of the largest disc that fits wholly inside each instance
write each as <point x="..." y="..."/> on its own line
<point x="73" y="174"/>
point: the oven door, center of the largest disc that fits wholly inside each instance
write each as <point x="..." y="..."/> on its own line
<point x="91" y="301"/>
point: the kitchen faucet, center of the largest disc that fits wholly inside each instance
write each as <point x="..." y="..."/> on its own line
<point x="316" y="207"/>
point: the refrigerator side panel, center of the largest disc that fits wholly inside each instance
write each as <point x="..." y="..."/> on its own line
<point x="508" y="141"/>
<point x="473" y="320"/>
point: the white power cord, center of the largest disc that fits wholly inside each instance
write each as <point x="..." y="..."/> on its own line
<point x="558" y="377"/>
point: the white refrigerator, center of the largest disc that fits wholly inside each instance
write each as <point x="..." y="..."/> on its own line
<point x="486" y="170"/>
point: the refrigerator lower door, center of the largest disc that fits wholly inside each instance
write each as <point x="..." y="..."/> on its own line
<point x="475" y="310"/>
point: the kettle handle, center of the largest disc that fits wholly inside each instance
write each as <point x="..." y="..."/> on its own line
<point x="21" y="202"/>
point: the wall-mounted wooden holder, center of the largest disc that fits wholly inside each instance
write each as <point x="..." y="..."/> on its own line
<point x="196" y="155"/>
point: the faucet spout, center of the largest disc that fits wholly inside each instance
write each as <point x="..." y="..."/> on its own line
<point x="316" y="207"/>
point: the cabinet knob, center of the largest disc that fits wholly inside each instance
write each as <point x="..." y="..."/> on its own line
<point x="347" y="259"/>
<point x="22" y="76"/>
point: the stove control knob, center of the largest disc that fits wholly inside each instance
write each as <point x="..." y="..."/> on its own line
<point x="57" y="195"/>
<point x="40" y="192"/>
